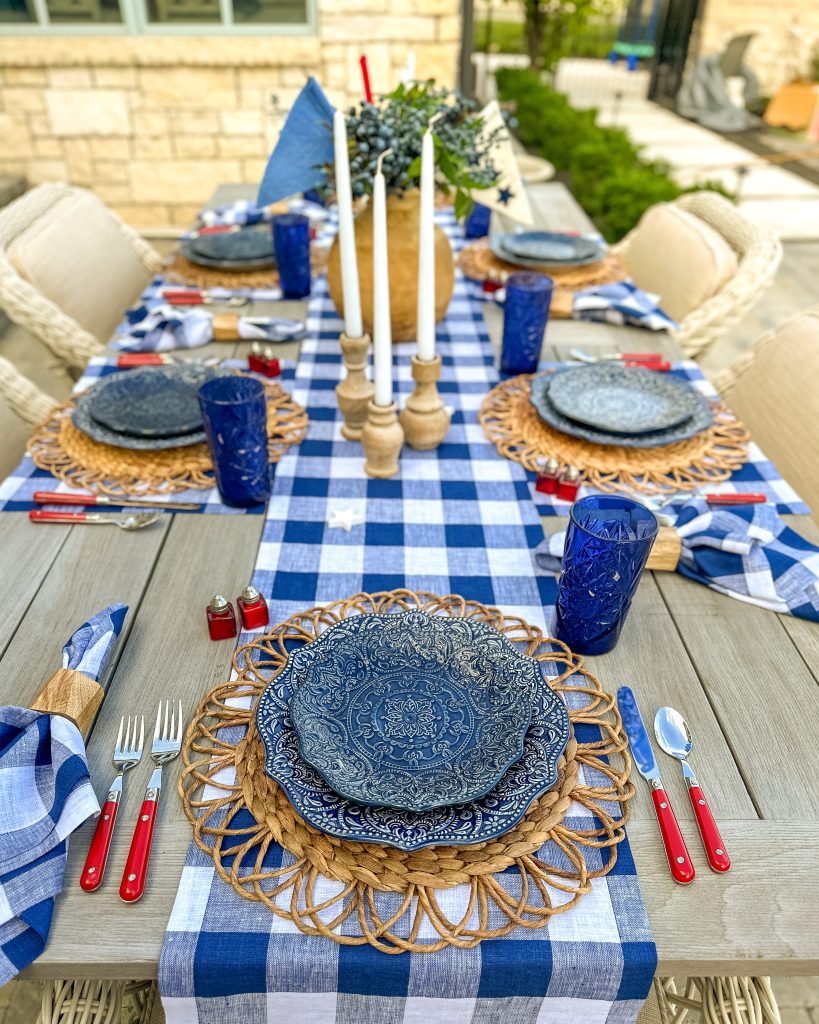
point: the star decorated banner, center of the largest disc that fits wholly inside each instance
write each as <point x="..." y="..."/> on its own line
<point x="508" y="196"/>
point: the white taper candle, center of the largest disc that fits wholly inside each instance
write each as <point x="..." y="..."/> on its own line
<point x="382" y="329"/>
<point x="426" y="252"/>
<point x="353" y="326"/>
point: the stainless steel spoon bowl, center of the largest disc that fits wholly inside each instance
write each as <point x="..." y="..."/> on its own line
<point x="674" y="736"/>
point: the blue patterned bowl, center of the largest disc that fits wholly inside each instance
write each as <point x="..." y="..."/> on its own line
<point x="411" y="711"/>
<point x="465" y="824"/>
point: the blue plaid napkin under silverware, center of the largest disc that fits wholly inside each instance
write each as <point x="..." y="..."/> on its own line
<point x="746" y="552"/>
<point x="45" y="794"/>
<point x="163" y="328"/>
<point x="621" y="303"/>
<point x="246" y="213"/>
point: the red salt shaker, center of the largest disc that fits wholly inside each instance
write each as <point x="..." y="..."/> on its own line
<point x="221" y="618"/>
<point x="569" y="484"/>
<point x="546" y="481"/>
<point x="252" y="608"/>
<point x="263" y="363"/>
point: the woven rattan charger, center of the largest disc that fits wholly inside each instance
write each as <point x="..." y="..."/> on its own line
<point x="180" y="270"/>
<point x="79" y="461"/>
<point x="512" y="423"/>
<point x="361" y="871"/>
<point x="478" y="262"/>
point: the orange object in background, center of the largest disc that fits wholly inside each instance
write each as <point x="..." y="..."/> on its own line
<point x="794" y="106"/>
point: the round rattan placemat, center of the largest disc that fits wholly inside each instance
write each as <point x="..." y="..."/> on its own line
<point x="179" y="270"/>
<point x="545" y="849"/>
<point x="80" y="461"/>
<point x="477" y="261"/>
<point x="512" y="423"/>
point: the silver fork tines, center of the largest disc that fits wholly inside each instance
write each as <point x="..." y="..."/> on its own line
<point x="167" y="739"/>
<point x="128" y="752"/>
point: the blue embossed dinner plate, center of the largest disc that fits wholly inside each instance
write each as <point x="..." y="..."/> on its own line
<point x="539" y="397"/>
<point x="622" y="399"/>
<point x="249" y="249"/>
<point x="550" y="246"/>
<point x="412" y="711"/>
<point x="153" y="401"/>
<point x="567" y="250"/>
<point x="462" y="824"/>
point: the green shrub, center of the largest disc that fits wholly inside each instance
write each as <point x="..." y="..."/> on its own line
<point x="607" y="175"/>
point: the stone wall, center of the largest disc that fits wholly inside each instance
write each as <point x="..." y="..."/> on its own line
<point x="153" y="124"/>
<point x="786" y="33"/>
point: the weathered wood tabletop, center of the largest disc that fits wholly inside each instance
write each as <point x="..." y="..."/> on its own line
<point x="746" y="680"/>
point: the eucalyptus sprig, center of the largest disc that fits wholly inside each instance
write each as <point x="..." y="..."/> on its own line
<point x="398" y="122"/>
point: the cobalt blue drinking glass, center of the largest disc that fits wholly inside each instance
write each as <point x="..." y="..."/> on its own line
<point x="607" y="545"/>
<point x="291" y="240"/>
<point x="525" y="315"/>
<point x="235" y="414"/>
<point x="477" y="223"/>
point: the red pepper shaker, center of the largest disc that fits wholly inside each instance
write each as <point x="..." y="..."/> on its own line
<point x="546" y="481"/>
<point x="221" y="618"/>
<point x="569" y="484"/>
<point x="252" y="608"/>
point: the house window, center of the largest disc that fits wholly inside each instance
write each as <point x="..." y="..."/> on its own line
<point x="154" y="17"/>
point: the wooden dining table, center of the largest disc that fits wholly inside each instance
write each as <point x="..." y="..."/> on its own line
<point x="747" y="681"/>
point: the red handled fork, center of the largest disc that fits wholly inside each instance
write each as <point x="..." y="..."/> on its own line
<point x="165" y="747"/>
<point x="127" y="754"/>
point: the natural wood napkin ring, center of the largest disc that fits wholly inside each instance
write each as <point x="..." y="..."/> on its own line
<point x="72" y="694"/>
<point x="225" y="326"/>
<point x="665" y="554"/>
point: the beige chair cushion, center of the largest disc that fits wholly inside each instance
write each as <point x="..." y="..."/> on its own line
<point x="777" y="397"/>
<point x="681" y="258"/>
<point x="78" y="257"/>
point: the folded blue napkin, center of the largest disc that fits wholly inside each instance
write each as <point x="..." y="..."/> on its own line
<point x="745" y="551"/>
<point x="304" y="147"/>
<point x="45" y="794"/>
<point x="246" y="212"/>
<point x="622" y="303"/>
<point x="163" y="328"/>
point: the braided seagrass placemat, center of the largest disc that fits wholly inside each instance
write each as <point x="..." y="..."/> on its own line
<point x="512" y="423"/>
<point x="544" y="849"/>
<point x="179" y="270"/>
<point x="478" y="262"/>
<point x="79" y="461"/>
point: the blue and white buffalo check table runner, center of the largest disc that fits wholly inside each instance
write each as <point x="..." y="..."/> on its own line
<point x="456" y="520"/>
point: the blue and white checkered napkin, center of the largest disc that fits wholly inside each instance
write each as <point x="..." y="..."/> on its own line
<point x="746" y="552"/>
<point x="455" y="520"/>
<point x="45" y="794"/>
<point x="246" y="213"/>
<point x="162" y="328"/>
<point x="621" y="303"/>
<point x="758" y="475"/>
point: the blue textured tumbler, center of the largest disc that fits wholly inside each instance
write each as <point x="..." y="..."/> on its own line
<point x="235" y="414"/>
<point x="525" y="315"/>
<point x="291" y="240"/>
<point x="477" y="223"/>
<point x="607" y="544"/>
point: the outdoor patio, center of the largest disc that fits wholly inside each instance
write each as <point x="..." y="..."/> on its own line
<point x="488" y="382"/>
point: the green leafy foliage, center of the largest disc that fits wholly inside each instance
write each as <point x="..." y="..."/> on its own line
<point x="397" y="123"/>
<point x="603" y="167"/>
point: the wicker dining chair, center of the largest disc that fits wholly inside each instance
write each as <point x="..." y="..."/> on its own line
<point x="657" y="263"/>
<point x="774" y="389"/>
<point x="68" y="268"/>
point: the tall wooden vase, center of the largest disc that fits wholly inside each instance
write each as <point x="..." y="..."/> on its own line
<point x="402" y="235"/>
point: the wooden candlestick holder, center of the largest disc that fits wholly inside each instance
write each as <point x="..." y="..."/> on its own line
<point x="355" y="392"/>
<point x="382" y="438"/>
<point x="424" y="418"/>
